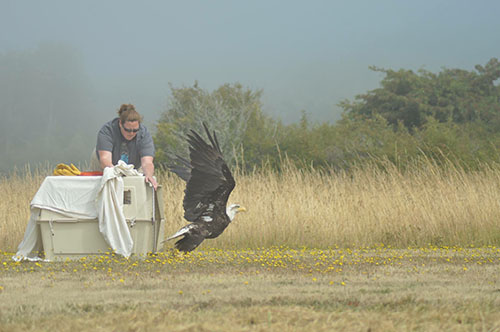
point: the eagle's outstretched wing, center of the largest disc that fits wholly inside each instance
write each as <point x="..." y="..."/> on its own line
<point x="209" y="183"/>
<point x="209" y="180"/>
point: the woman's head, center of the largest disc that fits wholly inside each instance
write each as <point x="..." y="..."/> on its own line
<point x="129" y="121"/>
<point x="127" y="112"/>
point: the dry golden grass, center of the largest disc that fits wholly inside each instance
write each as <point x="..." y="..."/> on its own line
<point x="424" y="205"/>
<point x="367" y="206"/>
<point x="16" y="193"/>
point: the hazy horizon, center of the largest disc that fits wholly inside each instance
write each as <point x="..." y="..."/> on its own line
<point x="305" y="56"/>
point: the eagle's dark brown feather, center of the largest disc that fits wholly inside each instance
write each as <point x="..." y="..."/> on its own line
<point x="209" y="183"/>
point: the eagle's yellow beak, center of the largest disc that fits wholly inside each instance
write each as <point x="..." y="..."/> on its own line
<point x="242" y="209"/>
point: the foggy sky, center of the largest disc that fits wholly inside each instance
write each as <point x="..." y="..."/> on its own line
<point x="305" y="55"/>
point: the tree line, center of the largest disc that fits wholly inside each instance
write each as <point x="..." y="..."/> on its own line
<point x="450" y="116"/>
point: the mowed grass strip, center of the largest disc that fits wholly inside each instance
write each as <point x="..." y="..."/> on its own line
<point x="279" y="288"/>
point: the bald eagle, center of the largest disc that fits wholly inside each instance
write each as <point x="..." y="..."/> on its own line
<point x="209" y="183"/>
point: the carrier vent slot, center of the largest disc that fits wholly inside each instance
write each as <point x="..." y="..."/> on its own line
<point x="127" y="197"/>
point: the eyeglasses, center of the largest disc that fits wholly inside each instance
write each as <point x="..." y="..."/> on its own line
<point x="128" y="130"/>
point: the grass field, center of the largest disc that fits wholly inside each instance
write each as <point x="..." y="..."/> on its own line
<point x="274" y="289"/>
<point x="424" y="205"/>
<point x="368" y="250"/>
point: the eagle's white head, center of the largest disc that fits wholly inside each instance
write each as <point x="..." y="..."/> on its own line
<point x="232" y="209"/>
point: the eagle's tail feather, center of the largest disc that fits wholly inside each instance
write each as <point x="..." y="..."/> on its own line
<point x="188" y="243"/>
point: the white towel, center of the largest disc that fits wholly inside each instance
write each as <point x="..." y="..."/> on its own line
<point x="109" y="201"/>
